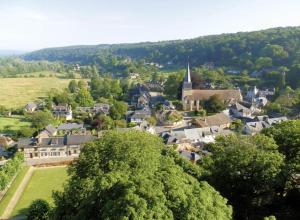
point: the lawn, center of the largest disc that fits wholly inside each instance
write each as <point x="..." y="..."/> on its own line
<point x="12" y="123"/>
<point x="17" y="92"/>
<point x="10" y="192"/>
<point x="41" y="186"/>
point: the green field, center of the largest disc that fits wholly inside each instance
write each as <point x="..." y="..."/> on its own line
<point x="40" y="186"/>
<point x="12" y="123"/>
<point x="17" y="92"/>
<point x="10" y="192"/>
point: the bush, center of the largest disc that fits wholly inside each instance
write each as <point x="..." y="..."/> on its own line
<point x="178" y="105"/>
<point x="214" y="104"/>
<point x="39" y="210"/>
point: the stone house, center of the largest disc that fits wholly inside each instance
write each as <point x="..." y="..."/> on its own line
<point x="58" y="146"/>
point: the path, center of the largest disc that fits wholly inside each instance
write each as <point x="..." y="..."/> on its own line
<point x="15" y="198"/>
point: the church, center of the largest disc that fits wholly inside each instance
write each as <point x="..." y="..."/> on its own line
<point x="191" y="98"/>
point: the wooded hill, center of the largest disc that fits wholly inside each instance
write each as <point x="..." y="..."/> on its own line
<point x="241" y="50"/>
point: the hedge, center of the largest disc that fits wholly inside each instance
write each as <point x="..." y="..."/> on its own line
<point x="10" y="169"/>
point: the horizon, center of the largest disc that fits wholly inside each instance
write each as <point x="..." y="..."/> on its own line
<point x="29" y="25"/>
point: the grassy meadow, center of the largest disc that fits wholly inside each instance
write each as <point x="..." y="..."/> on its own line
<point x="17" y="92"/>
<point x="13" y="123"/>
<point x="41" y="186"/>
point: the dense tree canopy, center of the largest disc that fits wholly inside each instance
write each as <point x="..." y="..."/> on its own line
<point x="105" y="88"/>
<point x="126" y="176"/>
<point x="40" y="119"/>
<point x="287" y="137"/>
<point x="214" y="104"/>
<point x="38" y="210"/>
<point x="245" y="170"/>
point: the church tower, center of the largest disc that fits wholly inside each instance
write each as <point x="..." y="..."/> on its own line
<point x="187" y="85"/>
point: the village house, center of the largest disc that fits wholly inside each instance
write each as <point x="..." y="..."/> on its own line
<point x="145" y="126"/>
<point x="254" y="127"/>
<point x="241" y="111"/>
<point x="259" y="96"/>
<point x="196" y="137"/>
<point x="191" y="156"/>
<point x="5" y="142"/>
<point x="191" y="98"/>
<point x="58" y="146"/>
<point x="139" y="116"/>
<point x="71" y="128"/>
<point x="220" y="120"/>
<point x="63" y="111"/>
<point x="49" y="131"/>
<point x="140" y="96"/>
<point x="99" y="108"/>
<point x="201" y="136"/>
<point x="30" y="107"/>
<point x="155" y="86"/>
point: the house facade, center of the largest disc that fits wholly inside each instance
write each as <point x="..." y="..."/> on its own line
<point x="59" y="146"/>
<point x="62" y="111"/>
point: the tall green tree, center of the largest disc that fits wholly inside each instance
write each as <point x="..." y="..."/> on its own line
<point x="84" y="98"/>
<point x="126" y="176"/>
<point x="287" y="137"/>
<point x="214" y="104"/>
<point x="40" y="119"/>
<point x="117" y="110"/>
<point x="245" y="170"/>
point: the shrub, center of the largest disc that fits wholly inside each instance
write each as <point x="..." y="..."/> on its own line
<point x="39" y="210"/>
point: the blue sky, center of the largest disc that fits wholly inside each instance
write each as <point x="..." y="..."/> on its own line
<point x="35" y="24"/>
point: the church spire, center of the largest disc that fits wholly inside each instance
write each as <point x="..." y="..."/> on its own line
<point x="188" y="74"/>
<point x="187" y="83"/>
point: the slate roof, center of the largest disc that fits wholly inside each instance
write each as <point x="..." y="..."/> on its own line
<point x="70" y="126"/>
<point x="240" y="108"/>
<point x="58" y="141"/>
<point x="52" y="141"/>
<point x="31" y="105"/>
<point x="50" y="129"/>
<point x="226" y="95"/>
<point x="78" y="139"/>
<point x="214" y="120"/>
<point x="189" y="155"/>
<point x="26" y="142"/>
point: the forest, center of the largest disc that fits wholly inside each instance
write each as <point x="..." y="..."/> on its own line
<point x="239" y="50"/>
<point x="277" y="47"/>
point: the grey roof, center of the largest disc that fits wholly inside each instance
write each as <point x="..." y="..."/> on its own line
<point x="50" y="129"/>
<point x="79" y="139"/>
<point x="26" y="142"/>
<point x="70" y="126"/>
<point x="58" y="141"/>
<point x="3" y="152"/>
<point x="52" y="141"/>
<point x="190" y="155"/>
<point x="31" y="105"/>
<point x="240" y="108"/>
<point x="141" y="114"/>
<point x="276" y="120"/>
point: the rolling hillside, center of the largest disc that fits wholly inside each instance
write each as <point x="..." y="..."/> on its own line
<point x="237" y="50"/>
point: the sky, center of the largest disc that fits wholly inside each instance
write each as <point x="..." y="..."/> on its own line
<point x="34" y="24"/>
